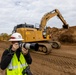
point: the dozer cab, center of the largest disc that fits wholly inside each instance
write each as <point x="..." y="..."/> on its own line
<point x="39" y="35"/>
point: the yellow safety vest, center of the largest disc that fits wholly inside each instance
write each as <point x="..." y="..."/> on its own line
<point x="16" y="67"/>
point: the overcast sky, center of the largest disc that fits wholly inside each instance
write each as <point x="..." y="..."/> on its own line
<point x="13" y="12"/>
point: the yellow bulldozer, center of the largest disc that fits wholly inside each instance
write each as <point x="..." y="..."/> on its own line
<point x="39" y="35"/>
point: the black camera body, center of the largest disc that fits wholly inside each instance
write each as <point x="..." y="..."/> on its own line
<point x="28" y="46"/>
<point x="27" y="71"/>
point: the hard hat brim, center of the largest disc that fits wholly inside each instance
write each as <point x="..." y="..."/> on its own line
<point x="16" y="39"/>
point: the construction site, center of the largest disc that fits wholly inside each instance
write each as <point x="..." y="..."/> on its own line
<point x="56" y="54"/>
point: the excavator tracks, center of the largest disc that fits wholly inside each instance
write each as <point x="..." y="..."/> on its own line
<point x="56" y="44"/>
<point x="44" y="48"/>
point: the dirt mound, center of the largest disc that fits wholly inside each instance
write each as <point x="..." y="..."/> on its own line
<point x="63" y="35"/>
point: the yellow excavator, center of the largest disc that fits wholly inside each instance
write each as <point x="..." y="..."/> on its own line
<point x="39" y="35"/>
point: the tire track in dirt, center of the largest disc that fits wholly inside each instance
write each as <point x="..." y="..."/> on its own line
<point x="62" y="63"/>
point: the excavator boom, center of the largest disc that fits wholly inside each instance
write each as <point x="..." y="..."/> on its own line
<point x="51" y="14"/>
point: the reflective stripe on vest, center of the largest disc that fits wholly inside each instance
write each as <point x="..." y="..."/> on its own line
<point x="16" y="67"/>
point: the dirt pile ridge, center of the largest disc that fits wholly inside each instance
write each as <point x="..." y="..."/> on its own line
<point x="63" y="35"/>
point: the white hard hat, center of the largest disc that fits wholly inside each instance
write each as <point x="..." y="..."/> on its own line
<point x="16" y="37"/>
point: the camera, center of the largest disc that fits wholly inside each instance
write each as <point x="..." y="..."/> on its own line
<point x="34" y="46"/>
<point x="27" y="71"/>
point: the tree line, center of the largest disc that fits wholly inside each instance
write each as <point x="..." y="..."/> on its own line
<point x="4" y="36"/>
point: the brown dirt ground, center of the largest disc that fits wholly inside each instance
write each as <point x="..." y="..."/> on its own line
<point x="59" y="62"/>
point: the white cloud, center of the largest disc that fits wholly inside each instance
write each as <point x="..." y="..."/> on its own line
<point x="13" y="12"/>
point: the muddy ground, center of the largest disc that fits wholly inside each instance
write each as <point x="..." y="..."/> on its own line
<point x="59" y="62"/>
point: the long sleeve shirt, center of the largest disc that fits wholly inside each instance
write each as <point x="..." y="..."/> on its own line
<point x="8" y="54"/>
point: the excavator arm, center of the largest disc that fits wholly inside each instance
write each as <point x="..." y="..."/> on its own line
<point x="51" y="14"/>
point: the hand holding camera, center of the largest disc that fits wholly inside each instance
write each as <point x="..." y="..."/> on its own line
<point x="25" y="46"/>
<point x="24" y="51"/>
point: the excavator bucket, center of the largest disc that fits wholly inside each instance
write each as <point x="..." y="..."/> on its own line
<point x="66" y="26"/>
